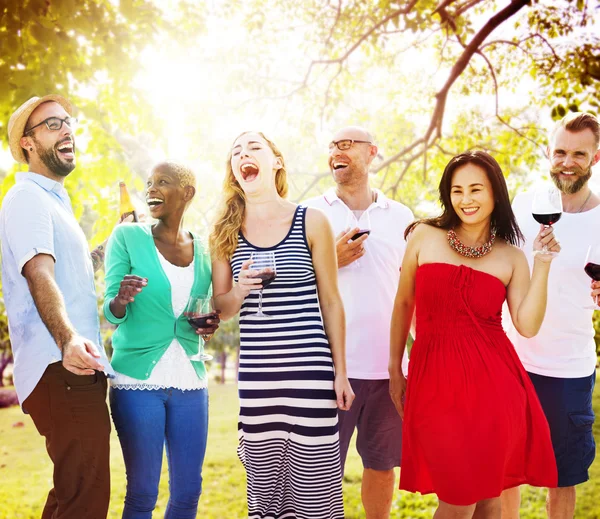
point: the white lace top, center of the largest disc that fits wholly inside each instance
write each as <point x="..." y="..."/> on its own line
<point x="174" y="369"/>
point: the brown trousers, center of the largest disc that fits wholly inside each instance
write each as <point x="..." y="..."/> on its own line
<point x="70" y="411"/>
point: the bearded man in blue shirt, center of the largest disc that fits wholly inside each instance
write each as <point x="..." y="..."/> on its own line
<point x="48" y="280"/>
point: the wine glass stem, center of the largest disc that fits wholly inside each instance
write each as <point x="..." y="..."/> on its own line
<point x="545" y="247"/>
<point x="260" y="301"/>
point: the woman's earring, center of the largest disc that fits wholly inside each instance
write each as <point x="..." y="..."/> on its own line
<point x="30" y="149"/>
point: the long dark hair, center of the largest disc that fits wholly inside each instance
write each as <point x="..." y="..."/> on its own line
<point x="503" y="218"/>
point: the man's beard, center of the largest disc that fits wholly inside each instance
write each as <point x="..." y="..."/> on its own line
<point x="52" y="162"/>
<point x="570" y="187"/>
<point x="348" y="176"/>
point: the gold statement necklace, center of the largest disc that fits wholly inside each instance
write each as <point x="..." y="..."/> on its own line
<point x="470" y="252"/>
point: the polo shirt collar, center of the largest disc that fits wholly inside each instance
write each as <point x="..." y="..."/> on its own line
<point x="44" y="182"/>
<point x="331" y="197"/>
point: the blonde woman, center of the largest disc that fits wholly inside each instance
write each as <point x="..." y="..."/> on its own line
<point x="292" y="374"/>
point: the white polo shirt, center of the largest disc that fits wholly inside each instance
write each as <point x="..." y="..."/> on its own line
<point x="564" y="347"/>
<point x="368" y="291"/>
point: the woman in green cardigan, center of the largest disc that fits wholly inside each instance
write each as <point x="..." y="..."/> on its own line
<point x="159" y="396"/>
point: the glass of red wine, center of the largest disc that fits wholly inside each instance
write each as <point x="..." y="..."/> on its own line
<point x="547" y="209"/>
<point x="263" y="267"/>
<point x="364" y="227"/>
<point x="199" y="309"/>
<point x="592" y="269"/>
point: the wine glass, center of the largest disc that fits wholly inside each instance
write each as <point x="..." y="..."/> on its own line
<point x="364" y="227"/>
<point x="199" y="309"/>
<point x="264" y="268"/>
<point x="592" y="269"/>
<point x="547" y="209"/>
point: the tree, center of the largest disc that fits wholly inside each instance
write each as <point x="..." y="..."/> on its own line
<point x="90" y="52"/>
<point x="480" y="48"/>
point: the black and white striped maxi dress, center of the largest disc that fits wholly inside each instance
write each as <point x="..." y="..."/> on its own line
<point x="288" y="426"/>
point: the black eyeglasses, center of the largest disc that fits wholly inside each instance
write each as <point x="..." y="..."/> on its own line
<point x="345" y="144"/>
<point x="55" y="123"/>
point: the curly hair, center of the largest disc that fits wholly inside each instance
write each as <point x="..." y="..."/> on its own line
<point x="184" y="174"/>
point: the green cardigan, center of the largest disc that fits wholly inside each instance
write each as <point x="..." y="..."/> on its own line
<point x="149" y="324"/>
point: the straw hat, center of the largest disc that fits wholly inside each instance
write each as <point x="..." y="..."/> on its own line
<point x="18" y="121"/>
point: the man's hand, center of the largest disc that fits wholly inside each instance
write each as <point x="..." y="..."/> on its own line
<point x="349" y="250"/>
<point x="98" y="253"/>
<point x="79" y="356"/>
<point x="397" y="391"/>
<point x="98" y="257"/>
<point x="128" y="218"/>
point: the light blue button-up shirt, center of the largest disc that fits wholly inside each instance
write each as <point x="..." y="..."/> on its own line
<point x="37" y="218"/>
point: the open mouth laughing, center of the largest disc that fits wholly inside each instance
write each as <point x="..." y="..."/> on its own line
<point x="249" y="171"/>
<point x="153" y="203"/>
<point x="66" y="149"/>
<point x="339" y="165"/>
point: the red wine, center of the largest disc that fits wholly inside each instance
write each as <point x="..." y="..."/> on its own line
<point x="267" y="278"/>
<point x="593" y="270"/>
<point x="200" y="320"/>
<point x="547" y="219"/>
<point x="361" y="233"/>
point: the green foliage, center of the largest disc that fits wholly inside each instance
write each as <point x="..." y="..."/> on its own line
<point x="387" y="49"/>
<point x="227" y="338"/>
<point x="596" y="322"/>
<point x="90" y="52"/>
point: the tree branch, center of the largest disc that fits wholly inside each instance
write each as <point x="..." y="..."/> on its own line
<point x="498" y="116"/>
<point x="465" y="7"/>
<point x="517" y="44"/>
<point x="443" y="5"/>
<point x="315" y="181"/>
<point x="335" y="22"/>
<point x="333" y="78"/>
<point x="361" y="40"/>
<point x="435" y="126"/>
<point x="396" y="156"/>
<point x="407" y="165"/>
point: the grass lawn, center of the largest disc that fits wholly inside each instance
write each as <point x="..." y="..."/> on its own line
<point x="25" y="473"/>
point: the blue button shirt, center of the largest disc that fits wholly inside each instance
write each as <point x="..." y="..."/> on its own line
<point x="37" y="218"/>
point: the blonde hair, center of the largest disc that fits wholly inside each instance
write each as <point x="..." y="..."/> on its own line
<point x="184" y="174"/>
<point x="223" y="239"/>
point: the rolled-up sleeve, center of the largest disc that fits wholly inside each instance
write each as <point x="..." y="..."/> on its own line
<point x="117" y="265"/>
<point x="29" y="229"/>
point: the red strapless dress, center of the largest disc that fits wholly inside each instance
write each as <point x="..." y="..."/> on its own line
<point x="473" y="425"/>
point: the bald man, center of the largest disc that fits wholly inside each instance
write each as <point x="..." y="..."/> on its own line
<point x="369" y="271"/>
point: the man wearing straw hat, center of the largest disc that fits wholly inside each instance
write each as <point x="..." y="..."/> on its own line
<point x="60" y="365"/>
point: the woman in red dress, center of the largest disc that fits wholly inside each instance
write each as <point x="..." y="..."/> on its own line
<point x="473" y="425"/>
